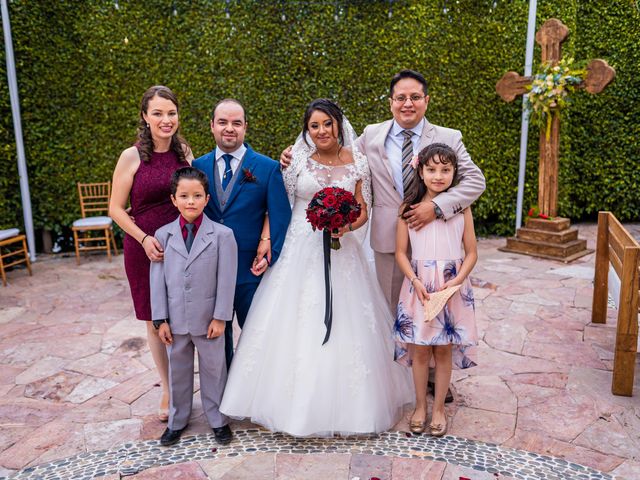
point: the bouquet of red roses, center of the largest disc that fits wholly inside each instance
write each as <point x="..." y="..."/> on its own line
<point x="332" y="208"/>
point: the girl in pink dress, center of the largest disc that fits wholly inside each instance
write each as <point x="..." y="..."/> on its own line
<point x="443" y="254"/>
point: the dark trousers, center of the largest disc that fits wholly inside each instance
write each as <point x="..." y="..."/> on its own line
<point x="241" y="303"/>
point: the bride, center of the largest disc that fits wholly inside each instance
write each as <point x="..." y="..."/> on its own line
<point x="282" y="376"/>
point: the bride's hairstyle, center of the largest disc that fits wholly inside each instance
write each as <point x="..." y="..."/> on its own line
<point x="436" y="153"/>
<point x="145" y="141"/>
<point x="324" y="105"/>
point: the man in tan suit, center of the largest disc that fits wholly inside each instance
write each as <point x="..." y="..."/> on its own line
<point x="384" y="144"/>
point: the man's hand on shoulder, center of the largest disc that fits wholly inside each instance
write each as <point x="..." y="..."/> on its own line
<point x="286" y="156"/>
<point x="420" y="214"/>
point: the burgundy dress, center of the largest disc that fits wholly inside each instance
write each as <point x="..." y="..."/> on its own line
<point x="152" y="208"/>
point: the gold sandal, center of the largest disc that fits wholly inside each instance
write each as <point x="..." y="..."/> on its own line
<point x="438" y="430"/>
<point x="417" y="426"/>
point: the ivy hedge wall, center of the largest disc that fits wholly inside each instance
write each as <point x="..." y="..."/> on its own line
<point x="83" y="65"/>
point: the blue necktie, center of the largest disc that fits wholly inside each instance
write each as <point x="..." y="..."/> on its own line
<point x="190" y="236"/>
<point x="228" y="173"/>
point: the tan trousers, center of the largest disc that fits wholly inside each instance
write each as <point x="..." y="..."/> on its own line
<point x="390" y="279"/>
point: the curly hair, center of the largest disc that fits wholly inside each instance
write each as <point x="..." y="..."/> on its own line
<point x="144" y="138"/>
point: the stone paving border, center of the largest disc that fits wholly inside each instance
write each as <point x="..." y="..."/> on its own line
<point x="131" y="458"/>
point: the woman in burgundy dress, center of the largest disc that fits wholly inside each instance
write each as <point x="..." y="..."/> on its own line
<point x="142" y="177"/>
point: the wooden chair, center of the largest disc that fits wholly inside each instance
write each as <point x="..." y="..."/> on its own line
<point x="9" y="239"/>
<point x="94" y="207"/>
<point x="616" y="245"/>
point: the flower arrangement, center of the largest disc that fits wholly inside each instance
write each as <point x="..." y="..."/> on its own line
<point x="332" y="208"/>
<point x="549" y="90"/>
<point x="534" y="212"/>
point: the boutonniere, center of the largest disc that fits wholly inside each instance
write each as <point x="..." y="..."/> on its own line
<point x="248" y="176"/>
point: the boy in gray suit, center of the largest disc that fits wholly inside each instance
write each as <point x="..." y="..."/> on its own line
<point x="191" y="301"/>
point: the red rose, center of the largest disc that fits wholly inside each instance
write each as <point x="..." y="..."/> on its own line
<point x="337" y="221"/>
<point x="330" y="201"/>
<point x="353" y="216"/>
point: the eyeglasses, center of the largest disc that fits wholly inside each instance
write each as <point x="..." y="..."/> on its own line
<point x="400" y="99"/>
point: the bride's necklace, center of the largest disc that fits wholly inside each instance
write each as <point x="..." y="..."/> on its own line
<point x="330" y="161"/>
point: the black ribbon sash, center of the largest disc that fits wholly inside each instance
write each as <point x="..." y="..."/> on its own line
<point x="328" y="302"/>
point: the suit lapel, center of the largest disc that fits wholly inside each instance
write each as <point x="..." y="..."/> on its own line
<point x="382" y="138"/>
<point x="175" y="239"/>
<point x="248" y="163"/>
<point x="213" y="195"/>
<point x="428" y="135"/>
<point x="201" y="241"/>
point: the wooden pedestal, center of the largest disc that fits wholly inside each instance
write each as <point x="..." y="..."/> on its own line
<point x="553" y="239"/>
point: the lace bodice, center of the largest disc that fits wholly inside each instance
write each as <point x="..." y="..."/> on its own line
<point x="316" y="176"/>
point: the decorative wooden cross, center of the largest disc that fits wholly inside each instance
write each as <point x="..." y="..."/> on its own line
<point x="599" y="74"/>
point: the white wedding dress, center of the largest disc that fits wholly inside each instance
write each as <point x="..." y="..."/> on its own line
<point x="282" y="377"/>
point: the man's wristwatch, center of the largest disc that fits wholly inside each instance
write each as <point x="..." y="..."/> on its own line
<point x="157" y="323"/>
<point x="438" y="211"/>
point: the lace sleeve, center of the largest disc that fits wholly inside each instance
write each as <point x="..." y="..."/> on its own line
<point x="300" y="152"/>
<point x="364" y="174"/>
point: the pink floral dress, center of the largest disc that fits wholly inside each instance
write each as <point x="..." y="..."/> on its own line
<point x="437" y="254"/>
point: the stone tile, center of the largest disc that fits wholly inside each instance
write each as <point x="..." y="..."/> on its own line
<point x="505" y="336"/>
<point x="596" y="384"/>
<point x="100" y="409"/>
<point x="311" y="467"/>
<point x="117" y="368"/>
<point x="539" y="442"/>
<point x="152" y="428"/>
<point x="8" y="373"/>
<point x="189" y="470"/>
<point x="261" y="466"/>
<point x="89" y="388"/>
<point x="574" y="271"/>
<point x="548" y="380"/>
<point x="47" y="438"/>
<point x="606" y="435"/>
<point x="26" y="411"/>
<point x="42" y="368"/>
<point x="486" y="393"/>
<point x="132" y="389"/>
<point x="75" y="346"/>
<point x="543" y="334"/>
<point x="456" y="472"/>
<point x="7" y="314"/>
<point x="104" y="435"/>
<point x="563" y="417"/>
<point x="628" y="470"/>
<point x="476" y="424"/>
<point x="533" y="298"/>
<point x="216" y="468"/>
<point x="528" y="394"/>
<point x="56" y="387"/>
<point x="416" y="468"/>
<point x="577" y="354"/>
<point x="369" y="466"/>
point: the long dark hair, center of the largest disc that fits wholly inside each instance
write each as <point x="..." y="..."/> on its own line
<point x="329" y="107"/>
<point x="436" y="153"/>
<point x="144" y="140"/>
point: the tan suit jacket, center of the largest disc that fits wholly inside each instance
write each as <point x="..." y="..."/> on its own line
<point x="387" y="200"/>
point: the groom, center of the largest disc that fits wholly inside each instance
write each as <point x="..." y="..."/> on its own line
<point x="247" y="195"/>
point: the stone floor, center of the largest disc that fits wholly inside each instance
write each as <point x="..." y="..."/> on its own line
<point x="78" y="392"/>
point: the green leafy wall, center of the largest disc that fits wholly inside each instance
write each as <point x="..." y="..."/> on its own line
<point x="83" y="66"/>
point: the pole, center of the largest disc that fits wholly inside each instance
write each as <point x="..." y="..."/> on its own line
<point x="524" y="129"/>
<point x="17" y="127"/>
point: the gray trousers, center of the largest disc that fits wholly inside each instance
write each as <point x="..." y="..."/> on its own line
<point x="213" y="376"/>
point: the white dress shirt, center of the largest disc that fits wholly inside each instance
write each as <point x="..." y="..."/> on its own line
<point x="393" y="148"/>
<point x="235" y="161"/>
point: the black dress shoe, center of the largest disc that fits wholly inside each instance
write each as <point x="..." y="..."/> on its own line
<point x="169" y="437"/>
<point x="223" y="435"/>
<point x="431" y="388"/>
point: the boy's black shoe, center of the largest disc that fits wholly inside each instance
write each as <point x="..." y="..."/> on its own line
<point x="169" y="437"/>
<point x="223" y="435"/>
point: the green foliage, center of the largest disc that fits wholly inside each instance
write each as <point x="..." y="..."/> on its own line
<point x="83" y="66"/>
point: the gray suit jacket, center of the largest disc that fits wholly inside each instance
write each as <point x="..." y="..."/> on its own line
<point x="386" y="200"/>
<point x="191" y="289"/>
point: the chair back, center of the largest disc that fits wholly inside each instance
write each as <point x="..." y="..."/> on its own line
<point x="94" y="199"/>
